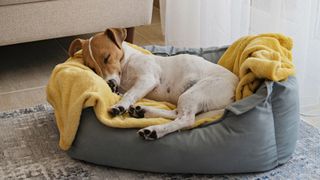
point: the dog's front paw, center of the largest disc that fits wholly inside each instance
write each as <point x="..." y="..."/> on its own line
<point x="148" y="134"/>
<point x="136" y="111"/>
<point x="116" y="110"/>
<point x="113" y="86"/>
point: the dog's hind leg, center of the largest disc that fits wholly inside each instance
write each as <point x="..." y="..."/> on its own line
<point x="209" y="94"/>
<point x="186" y="110"/>
<point x="185" y="118"/>
<point x="151" y="112"/>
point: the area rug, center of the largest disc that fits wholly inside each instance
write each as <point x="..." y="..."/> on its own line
<point x="29" y="150"/>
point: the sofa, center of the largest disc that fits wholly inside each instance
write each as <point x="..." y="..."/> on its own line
<point x="32" y="20"/>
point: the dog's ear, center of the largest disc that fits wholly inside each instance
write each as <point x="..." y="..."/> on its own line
<point x="75" y="46"/>
<point x="117" y="35"/>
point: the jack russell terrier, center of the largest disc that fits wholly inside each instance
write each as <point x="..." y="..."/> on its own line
<point x="192" y="83"/>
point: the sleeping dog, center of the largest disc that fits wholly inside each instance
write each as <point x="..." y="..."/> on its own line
<point x="195" y="85"/>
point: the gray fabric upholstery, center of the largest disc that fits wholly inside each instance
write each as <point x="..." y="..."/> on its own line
<point x="285" y="107"/>
<point x="45" y="19"/>
<point x="16" y="2"/>
<point x="255" y="134"/>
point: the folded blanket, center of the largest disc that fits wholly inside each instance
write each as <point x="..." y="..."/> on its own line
<point x="73" y="86"/>
<point x="256" y="58"/>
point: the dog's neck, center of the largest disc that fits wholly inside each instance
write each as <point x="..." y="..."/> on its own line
<point x="128" y="51"/>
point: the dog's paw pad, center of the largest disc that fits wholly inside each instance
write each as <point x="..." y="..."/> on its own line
<point x="121" y="109"/>
<point x="146" y="131"/>
<point x="131" y="110"/>
<point x="147" y="134"/>
<point x="117" y="110"/>
<point x="153" y="135"/>
<point x="141" y="134"/>
<point x="114" y="111"/>
<point x="136" y="112"/>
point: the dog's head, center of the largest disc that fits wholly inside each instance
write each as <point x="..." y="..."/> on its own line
<point x="103" y="53"/>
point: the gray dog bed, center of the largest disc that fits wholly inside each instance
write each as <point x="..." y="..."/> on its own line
<point x="255" y="134"/>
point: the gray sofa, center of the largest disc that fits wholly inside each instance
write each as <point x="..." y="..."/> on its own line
<point x="31" y="20"/>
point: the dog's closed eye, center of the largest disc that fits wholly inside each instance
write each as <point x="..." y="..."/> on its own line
<point x="106" y="59"/>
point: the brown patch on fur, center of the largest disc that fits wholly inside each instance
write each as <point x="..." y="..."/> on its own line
<point x="103" y="45"/>
<point x="75" y="46"/>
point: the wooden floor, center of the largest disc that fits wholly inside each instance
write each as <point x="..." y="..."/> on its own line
<point x="25" y="68"/>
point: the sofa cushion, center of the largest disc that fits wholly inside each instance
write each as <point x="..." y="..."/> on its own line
<point x="57" y="18"/>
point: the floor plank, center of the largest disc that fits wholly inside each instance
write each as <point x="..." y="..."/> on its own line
<point x="22" y="98"/>
<point x="140" y="40"/>
<point x="313" y="121"/>
<point x="28" y="65"/>
<point x="156" y="16"/>
<point x="152" y="33"/>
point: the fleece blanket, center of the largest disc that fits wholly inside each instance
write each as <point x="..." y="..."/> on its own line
<point x="256" y="58"/>
<point x="73" y="86"/>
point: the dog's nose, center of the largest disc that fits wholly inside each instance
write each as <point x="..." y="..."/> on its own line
<point x="113" y="85"/>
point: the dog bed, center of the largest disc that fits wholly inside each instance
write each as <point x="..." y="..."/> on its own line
<point x="257" y="133"/>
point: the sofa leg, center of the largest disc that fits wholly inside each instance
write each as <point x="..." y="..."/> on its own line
<point x="130" y="34"/>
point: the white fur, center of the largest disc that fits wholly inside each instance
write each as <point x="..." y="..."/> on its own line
<point x="189" y="81"/>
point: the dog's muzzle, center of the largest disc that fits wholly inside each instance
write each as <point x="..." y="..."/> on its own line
<point x="113" y="85"/>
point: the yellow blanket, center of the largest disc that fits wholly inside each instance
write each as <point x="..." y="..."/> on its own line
<point x="73" y="87"/>
<point x="255" y="58"/>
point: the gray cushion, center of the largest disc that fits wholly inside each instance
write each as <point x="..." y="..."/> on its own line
<point x="255" y="134"/>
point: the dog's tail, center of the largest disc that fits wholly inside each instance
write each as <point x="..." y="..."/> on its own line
<point x="210" y="114"/>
